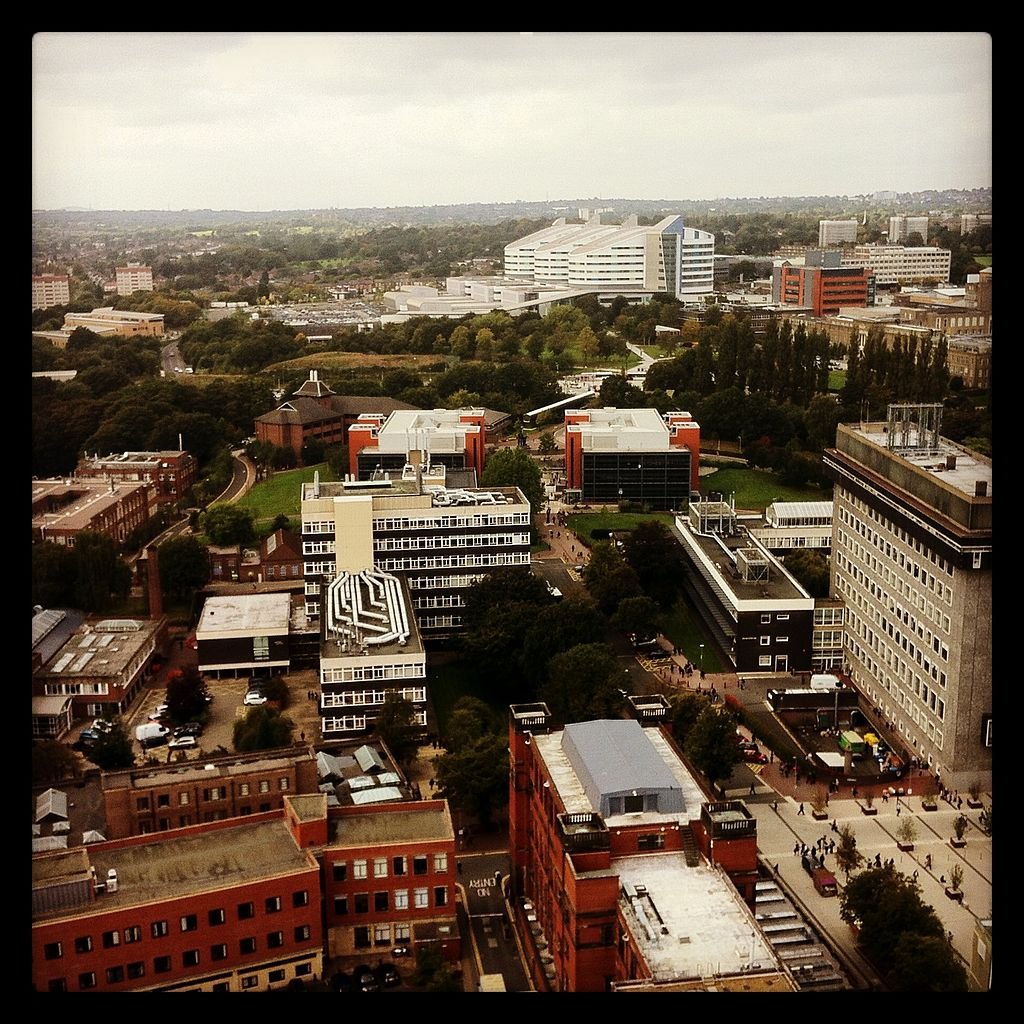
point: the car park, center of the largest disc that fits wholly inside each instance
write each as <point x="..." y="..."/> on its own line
<point x="183" y="743"/>
<point x="254" y="698"/>
<point x="364" y="979"/>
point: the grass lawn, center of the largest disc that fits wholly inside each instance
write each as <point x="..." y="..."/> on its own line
<point x="757" y="488"/>
<point x="583" y="523"/>
<point x="281" y="494"/>
<point x="683" y="629"/>
<point x="836" y="380"/>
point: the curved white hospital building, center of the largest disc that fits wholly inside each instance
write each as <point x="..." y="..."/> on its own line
<point x="622" y="258"/>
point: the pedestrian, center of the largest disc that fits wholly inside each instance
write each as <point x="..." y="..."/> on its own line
<point x="942" y="879"/>
<point x="775" y="806"/>
<point x="885" y="796"/>
<point x="751" y="789"/>
<point x="959" y="803"/>
<point x="915" y="874"/>
<point x="835" y="828"/>
<point x="796" y="848"/>
<point x="801" y="811"/>
<point x="928" y="861"/>
<point x="302" y="737"/>
<point x="897" y="810"/>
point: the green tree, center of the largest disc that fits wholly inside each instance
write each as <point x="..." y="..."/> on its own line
<point x="711" y="743"/>
<point x="113" y="749"/>
<point x="571" y="621"/>
<point x="54" y="567"/>
<point x="100" y="575"/>
<point x="263" y="728"/>
<point x="53" y="761"/>
<point x="811" y="570"/>
<point x="546" y="443"/>
<point x="638" y="615"/>
<point x="226" y="524"/>
<point x="609" y="578"/>
<point x="686" y="708"/>
<point x="184" y="566"/>
<point x="396" y="725"/>
<point x="925" y="963"/>
<point x="584" y="683"/>
<point x="848" y="857"/>
<point x="513" y="466"/>
<point x="656" y="558"/>
<point x="888" y="905"/>
<point x="474" y="778"/>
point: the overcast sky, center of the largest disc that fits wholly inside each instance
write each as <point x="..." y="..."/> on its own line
<point x="285" y="121"/>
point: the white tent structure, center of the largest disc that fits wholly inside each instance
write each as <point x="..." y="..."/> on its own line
<point x="52" y="806"/>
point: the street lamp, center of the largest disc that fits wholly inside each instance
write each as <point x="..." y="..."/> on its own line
<point x="701" y="646"/>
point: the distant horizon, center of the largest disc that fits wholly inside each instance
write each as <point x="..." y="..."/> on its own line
<point x="848" y="196"/>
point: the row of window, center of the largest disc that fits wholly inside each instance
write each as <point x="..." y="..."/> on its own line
<point x="211" y="793"/>
<point x="162" y="928"/>
<point x="453" y="561"/>
<point x="383" y="900"/>
<point x="390" y="525"/>
<point x="397" y="866"/>
<point x="354" y="673"/>
<point x="454" y="540"/>
<point x="371" y="698"/>
<point x="359" y="723"/>
<point x="189" y="958"/>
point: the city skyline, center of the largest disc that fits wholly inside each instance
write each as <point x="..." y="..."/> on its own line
<point x="279" y="121"/>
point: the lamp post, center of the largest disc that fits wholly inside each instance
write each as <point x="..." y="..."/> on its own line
<point x="701" y="659"/>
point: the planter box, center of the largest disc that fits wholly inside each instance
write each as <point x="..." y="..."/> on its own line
<point x="929" y="805"/>
<point x="868" y="810"/>
<point x="955" y="894"/>
<point x="819" y="815"/>
<point x="958" y="844"/>
<point x="905" y="847"/>
<point x="975" y="805"/>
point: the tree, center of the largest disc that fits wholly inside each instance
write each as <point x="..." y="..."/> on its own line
<point x="686" y="708"/>
<point x="263" y="728"/>
<point x="99" y="572"/>
<point x="53" y="574"/>
<point x="609" y="578"/>
<point x="906" y="831"/>
<point x="848" y="857"/>
<point x="513" y="466"/>
<point x="227" y="524"/>
<point x="187" y="696"/>
<point x="184" y="566"/>
<point x="53" y="761"/>
<point x="638" y="615"/>
<point x="571" y="621"/>
<point x="656" y="558"/>
<point x="925" y="963"/>
<point x="584" y="683"/>
<point x="396" y="725"/>
<point x="887" y="904"/>
<point x="474" y="778"/>
<point x="811" y="570"/>
<point x="113" y="749"/>
<point x="711" y="744"/>
<point x="546" y="443"/>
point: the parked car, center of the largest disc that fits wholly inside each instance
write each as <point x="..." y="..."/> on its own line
<point x="87" y="739"/>
<point x="387" y="974"/>
<point x="254" y="698"/>
<point x="101" y="725"/>
<point x="364" y="979"/>
<point x="752" y="754"/>
<point x="183" y="743"/>
<point x="160" y="711"/>
<point x="342" y="982"/>
<point x="644" y="643"/>
<point x="189" y="729"/>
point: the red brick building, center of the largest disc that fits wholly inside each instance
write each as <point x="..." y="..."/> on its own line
<point x="170" y="473"/>
<point x="618" y="858"/>
<point x="61" y="509"/>
<point x="824" y="290"/>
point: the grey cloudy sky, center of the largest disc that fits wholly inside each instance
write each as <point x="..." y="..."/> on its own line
<point x="263" y="121"/>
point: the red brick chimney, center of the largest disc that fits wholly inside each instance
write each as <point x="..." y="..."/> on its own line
<point x="156" y="601"/>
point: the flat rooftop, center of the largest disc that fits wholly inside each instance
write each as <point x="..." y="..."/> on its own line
<point x="417" y="824"/>
<point x="243" y="613"/>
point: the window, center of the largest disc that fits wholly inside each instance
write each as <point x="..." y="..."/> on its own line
<point x="158" y="929"/>
<point x="161" y="964"/>
<point x="362" y="902"/>
<point x="182" y="799"/>
<point x="401" y="899"/>
<point x="440" y="896"/>
<point x="282" y="783"/>
<point x="341" y="904"/>
<point x="163" y="800"/>
<point x="340" y="871"/>
<point x="215" y="793"/>
<point x="277" y="975"/>
<point x="219" y="952"/>
<point x="87" y="980"/>
<point x="380" y="867"/>
<point x="260" y="648"/>
<point x="83" y="944"/>
<point x="133" y="933"/>
<point x="403" y="933"/>
<point x="273" y="904"/>
<point x="250" y="981"/>
<point x="245" y="911"/>
<point x="264" y="785"/>
<point x="217" y="917"/>
<point x="247" y="946"/>
<point x="633" y="804"/>
<point x="419" y="864"/>
<point x="275" y="940"/>
<point x="382" y="935"/>
<point x="302" y="933"/>
<point x="114" y="975"/>
<point x="359" y="869"/>
<point x="398" y="865"/>
<point x="764" y="640"/>
<point x="656" y="841"/>
<point x="765" y="619"/>
<point x="111" y="939"/>
<point x="243" y="789"/>
<point x="300" y="898"/>
<point x="782" y="639"/>
<point x="440" y="862"/>
<point x="190" y="958"/>
<point x="142" y="804"/>
<point x="362" y="937"/>
<point x="189" y="922"/>
<point x="420" y="898"/>
<point x="380" y="900"/>
<point x="53" y="951"/>
<point x="137" y="969"/>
